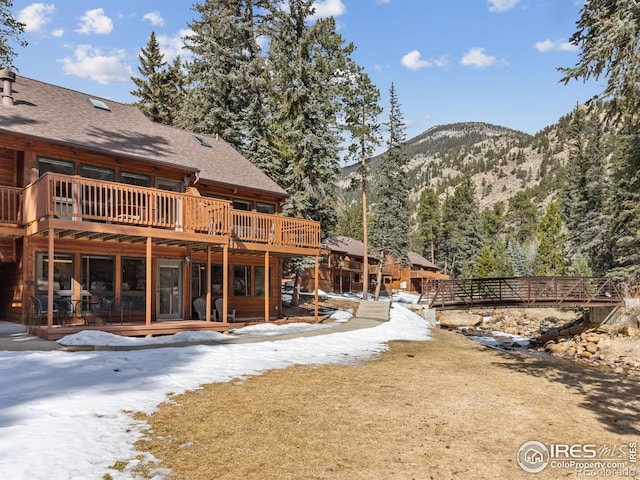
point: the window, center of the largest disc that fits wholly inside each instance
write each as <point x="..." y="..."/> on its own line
<point x="242" y="281"/>
<point x="199" y="280"/>
<point x="242" y="204"/>
<point x="258" y="283"/>
<point x="65" y="206"/>
<point x="97" y="275"/>
<point x="265" y="207"/>
<point x="62" y="273"/>
<point x="133" y="283"/>
<point x="135" y="179"/>
<point x="55" y="166"/>
<point x="99" y="104"/>
<point x="201" y="141"/>
<point x="97" y="173"/>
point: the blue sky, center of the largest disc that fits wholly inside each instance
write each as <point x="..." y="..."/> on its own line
<point x="451" y="61"/>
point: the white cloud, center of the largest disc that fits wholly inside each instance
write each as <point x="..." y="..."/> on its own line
<point x="154" y="18"/>
<point x="328" y="8"/>
<point x="89" y="62"/>
<point x="95" y="21"/>
<point x="555" y="46"/>
<point x="477" y="58"/>
<point x="36" y="16"/>
<point x="502" y="5"/>
<point x="171" y="47"/>
<point x="58" y="32"/>
<point x="413" y="61"/>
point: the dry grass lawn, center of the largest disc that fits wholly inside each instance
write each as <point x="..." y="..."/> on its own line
<point x="442" y="409"/>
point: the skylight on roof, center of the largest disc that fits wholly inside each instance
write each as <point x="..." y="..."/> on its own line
<point x="201" y="141"/>
<point x="99" y="104"/>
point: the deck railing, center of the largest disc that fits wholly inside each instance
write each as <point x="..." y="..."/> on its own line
<point x="87" y="200"/>
<point x="10" y="204"/>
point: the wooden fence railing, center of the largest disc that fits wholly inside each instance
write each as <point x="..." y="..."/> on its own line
<point x="82" y="199"/>
<point x="10" y="204"/>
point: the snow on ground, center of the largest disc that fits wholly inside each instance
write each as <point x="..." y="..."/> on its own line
<point x="69" y="415"/>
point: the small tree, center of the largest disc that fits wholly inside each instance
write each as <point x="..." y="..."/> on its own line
<point x="486" y="264"/>
<point x="160" y="87"/>
<point x="551" y="258"/>
<point x="10" y="29"/>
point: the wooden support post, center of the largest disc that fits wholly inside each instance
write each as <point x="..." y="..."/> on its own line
<point x="225" y="282"/>
<point x="50" y="272"/>
<point x="317" y="283"/>
<point x="208" y="294"/>
<point x="148" y="285"/>
<point x="266" y="286"/>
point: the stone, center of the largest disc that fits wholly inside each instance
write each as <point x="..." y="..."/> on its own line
<point x="576" y="329"/>
<point x="591" y="347"/>
<point x="551" y="334"/>
<point x="458" y="319"/>
<point x="558" y="348"/>
<point x="586" y="354"/>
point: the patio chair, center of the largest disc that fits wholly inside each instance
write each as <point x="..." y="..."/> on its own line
<point x="126" y="305"/>
<point x="231" y="316"/>
<point x="104" y="308"/>
<point x="200" y="306"/>
<point x="40" y="309"/>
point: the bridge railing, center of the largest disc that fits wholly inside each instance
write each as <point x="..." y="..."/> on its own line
<point x="526" y="291"/>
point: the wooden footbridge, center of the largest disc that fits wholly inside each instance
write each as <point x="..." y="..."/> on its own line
<point x="527" y="292"/>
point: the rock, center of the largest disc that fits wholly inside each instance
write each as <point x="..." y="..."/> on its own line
<point x="576" y="329"/>
<point x="593" y="337"/>
<point x="591" y="347"/>
<point x="458" y="319"/>
<point x="558" y="348"/>
<point x="586" y="354"/>
<point x="551" y="334"/>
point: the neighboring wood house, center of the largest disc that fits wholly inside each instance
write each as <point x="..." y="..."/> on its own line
<point x="119" y="221"/>
<point x="342" y="268"/>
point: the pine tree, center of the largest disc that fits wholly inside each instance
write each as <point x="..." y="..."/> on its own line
<point x="607" y="37"/>
<point x="390" y="232"/>
<point x="517" y="258"/>
<point x="361" y="110"/>
<point x="350" y="222"/>
<point x="524" y="216"/>
<point x="625" y="230"/>
<point x="551" y="258"/>
<point x="503" y="265"/>
<point x="10" y="29"/>
<point x="460" y="241"/>
<point x="585" y="198"/>
<point x="428" y="216"/>
<point x="159" y="86"/>
<point x="486" y="265"/>
<point x="226" y="68"/>
<point x="304" y="60"/>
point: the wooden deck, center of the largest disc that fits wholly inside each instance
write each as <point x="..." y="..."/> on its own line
<point x="139" y="329"/>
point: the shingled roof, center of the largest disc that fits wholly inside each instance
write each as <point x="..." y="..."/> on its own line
<point x="67" y="117"/>
<point x="355" y="248"/>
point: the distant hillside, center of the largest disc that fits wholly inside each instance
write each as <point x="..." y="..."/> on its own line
<point x="501" y="161"/>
